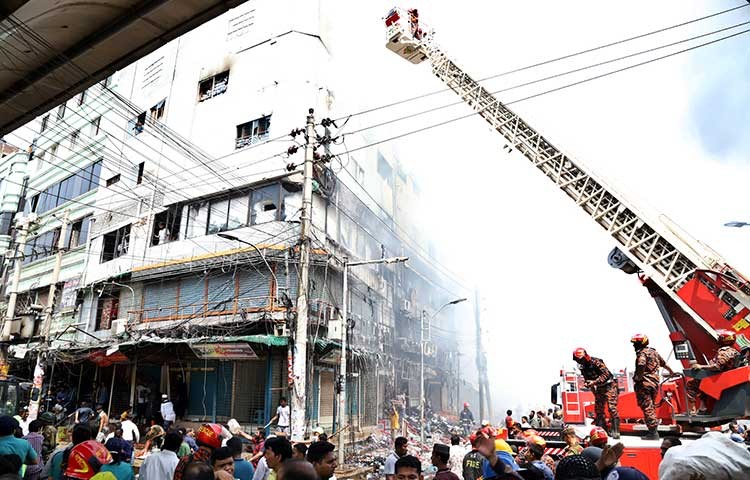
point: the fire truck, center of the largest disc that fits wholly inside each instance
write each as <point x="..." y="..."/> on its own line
<point x="696" y="291"/>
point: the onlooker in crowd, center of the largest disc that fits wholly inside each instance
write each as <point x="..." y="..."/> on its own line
<point x="167" y="412"/>
<point x="9" y="465"/>
<point x="556" y="421"/>
<point x="54" y="468"/>
<point x="282" y="416"/>
<point x="198" y="471"/>
<point x="278" y="449"/>
<point x="299" y="451"/>
<point x="440" y="455"/>
<point x="456" y="461"/>
<point x="576" y="467"/>
<point x="23" y="420"/>
<point x="509" y="419"/>
<point x="295" y="469"/>
<point x="119" y="467"/>
<point x="408" y="467"/>
<point x="535" y="446"/>
<point x="534" y="420"/>
<point x="400" y="449"/>
<point x="84" y="413"/>
<point x="243" y="470"/>
<point x="525" y="422"/>
<point x="35" y="439"/>
<point x="130" y="430"/>
<point x="573" y="446"/>
<point x="161" y="465"/>
<point x="668" y="443"/>
<point x="208" y="439"/>
<point x="545" y="421"/>
<point x="221" y="460"/>
<point x="100" y="423"/>
<point x="10" y="445"/>
<point x="49" y="432"/>
<point x="320" y="454"/>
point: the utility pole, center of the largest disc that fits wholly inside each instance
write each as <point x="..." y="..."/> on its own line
<point x="47" y="321"/>
<point x="421" y="376"/>
<point x="479" y="354"/>
<point x="299" y="370"/>
<point x="10" y="313"/>
<point x="342" y="367"/>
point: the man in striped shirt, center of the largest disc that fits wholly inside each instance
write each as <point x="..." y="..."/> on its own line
<point x="35" y="439"/>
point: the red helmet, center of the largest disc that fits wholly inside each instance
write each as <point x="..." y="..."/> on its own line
<point x="726" y="337"/>
<point x="580" y="354"/>
<point x="86" y="459"/>
<point x="598" y="437"/>
<point x="209" y="435"/>
<point x="466" y="404"/>
<point x="639" y="340"/>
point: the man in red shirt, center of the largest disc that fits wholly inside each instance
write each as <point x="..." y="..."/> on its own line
<point x="509" y="419"/>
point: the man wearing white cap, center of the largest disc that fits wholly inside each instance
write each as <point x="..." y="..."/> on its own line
<point x="167" y="412"/>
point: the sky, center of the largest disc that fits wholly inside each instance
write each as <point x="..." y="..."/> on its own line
<point x="670" y="136"/>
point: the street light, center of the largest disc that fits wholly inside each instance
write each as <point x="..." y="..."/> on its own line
<point x="736" y="224"/>
<point x="421" y="360"/>
<point x="232" y="237"/>
<point x="344" y="314"/>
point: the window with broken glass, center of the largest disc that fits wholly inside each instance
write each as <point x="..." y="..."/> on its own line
<point x="213" y="86"/>
<point x="115" y="244"/>
<point x="252" y="132"/>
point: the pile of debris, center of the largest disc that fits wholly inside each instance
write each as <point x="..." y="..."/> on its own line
<point x="366" y="460"/>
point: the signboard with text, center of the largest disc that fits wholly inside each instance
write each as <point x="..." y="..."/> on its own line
<point x="224" y="351"/>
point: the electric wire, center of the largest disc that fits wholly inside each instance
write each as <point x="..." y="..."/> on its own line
<point x="549" y="61"/>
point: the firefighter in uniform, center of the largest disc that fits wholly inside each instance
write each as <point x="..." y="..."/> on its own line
<point x="646" y="379"/>
<point x="602" y="383"/>
<point x="724" y="360"/>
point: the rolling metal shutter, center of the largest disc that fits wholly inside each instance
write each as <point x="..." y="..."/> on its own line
<point x="326" y="400"/>
<point x="159" y="300"/>
<point x="250" y="391"/>
<point x="255" y="287"/>
<point x="192" y="296"/>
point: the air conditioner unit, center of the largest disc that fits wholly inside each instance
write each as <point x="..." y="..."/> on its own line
<point x="118" y="326"/>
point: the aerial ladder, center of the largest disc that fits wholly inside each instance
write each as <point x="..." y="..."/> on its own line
<point x="696" y="291"/>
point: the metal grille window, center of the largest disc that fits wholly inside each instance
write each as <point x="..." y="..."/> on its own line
<point x="252" y="132"/>
<point x="115" y="244"/>
<point x="213" y="86"/>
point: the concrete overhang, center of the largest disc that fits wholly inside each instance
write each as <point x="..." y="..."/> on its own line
<point x="51" y="50"/>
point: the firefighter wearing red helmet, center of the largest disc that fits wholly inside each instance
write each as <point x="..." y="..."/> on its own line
<point x="724" y="360"/>
<point x="467" y="419"/>
<point x="208" y="438"/>
<point x="646" y="381"/>
<point x="604" y="387"/>
<point x="86" y="459"/>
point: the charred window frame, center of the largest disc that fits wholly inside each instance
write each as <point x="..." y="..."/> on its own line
<point x="61" y="111"/>
<point x="135" y="125"/>
<point x="115" y="244"/>
<point x="213" y="86"/>
<point x="139" y="177"/>
<point x="157" y="111"/>
<point x="251" y="132"/>
<point x="45" y="123"/>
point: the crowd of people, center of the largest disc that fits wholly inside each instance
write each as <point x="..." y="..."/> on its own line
<point x="715" y="456"/>
<point x="210" y="453"/>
